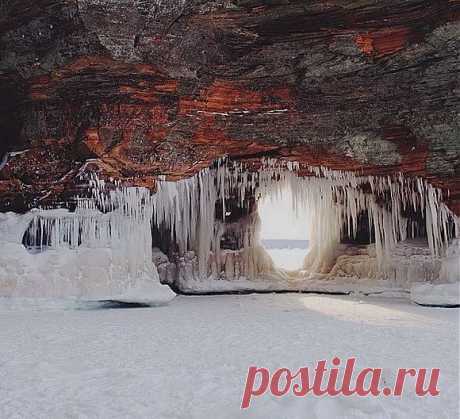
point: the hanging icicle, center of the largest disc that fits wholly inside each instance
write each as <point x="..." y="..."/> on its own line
<point x="335" y="199"/>
<point x="187" y="208"/>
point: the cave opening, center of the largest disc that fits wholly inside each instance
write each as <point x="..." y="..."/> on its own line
<point x="269" y="226"/>
<point x="281" y="222"/>
<point x="284" y="229"/>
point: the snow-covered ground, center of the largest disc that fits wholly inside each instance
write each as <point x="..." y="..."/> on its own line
<point x="290" y="259"/>
<point x="189" y="359"/>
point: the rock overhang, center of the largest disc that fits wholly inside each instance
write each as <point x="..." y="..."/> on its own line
<point x="134" y="90"/>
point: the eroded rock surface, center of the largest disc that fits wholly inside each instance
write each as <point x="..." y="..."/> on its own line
<point x="137" y="88"/>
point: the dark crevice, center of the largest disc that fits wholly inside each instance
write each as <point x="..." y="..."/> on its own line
<point x="114" y="304"/>
<point x="439" y="305"/>
<point x="179" y="291"/>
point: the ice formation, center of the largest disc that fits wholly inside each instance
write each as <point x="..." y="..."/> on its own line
<point x="105" y="245"/>
<point x="87" y="253"/>
<point x="334" y="200"/>
<point x="125" y="223"/>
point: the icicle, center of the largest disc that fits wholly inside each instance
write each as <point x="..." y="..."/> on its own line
<point x="335" y="200"/>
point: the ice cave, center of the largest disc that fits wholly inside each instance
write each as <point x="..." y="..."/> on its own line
<point x="260" y="183"/>
<point x="202" y="234"/>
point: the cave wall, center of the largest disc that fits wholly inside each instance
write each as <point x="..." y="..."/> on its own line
<point x="134" y="89"/>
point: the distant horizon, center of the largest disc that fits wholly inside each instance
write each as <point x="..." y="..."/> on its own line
<point x="285" y="244"/>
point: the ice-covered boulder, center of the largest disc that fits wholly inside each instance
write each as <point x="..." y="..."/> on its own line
<point x="439" y="295"/>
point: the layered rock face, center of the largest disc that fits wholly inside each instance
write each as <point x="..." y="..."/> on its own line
<point x="134" y="89"/>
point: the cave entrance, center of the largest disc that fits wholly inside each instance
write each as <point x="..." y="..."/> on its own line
<point x="284" y="229"/>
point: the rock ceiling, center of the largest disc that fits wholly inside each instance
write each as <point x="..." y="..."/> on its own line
<point x="138" y="88"/>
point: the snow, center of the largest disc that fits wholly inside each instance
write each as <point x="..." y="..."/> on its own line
<point x="189" y="360"/>
<point x="290" y="259"/>
<point x="147" y="292"/>
<point x="436" y="294"/>
<point x="289" y="283"/>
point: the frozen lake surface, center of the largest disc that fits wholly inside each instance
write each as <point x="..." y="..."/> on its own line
<point x="189" y="360"/>
<point x="287" y="254"/>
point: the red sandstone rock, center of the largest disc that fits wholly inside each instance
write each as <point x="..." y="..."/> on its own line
<point x="361" y="86"/>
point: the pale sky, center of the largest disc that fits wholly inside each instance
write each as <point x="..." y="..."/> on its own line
<point x="279" y="220"/>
